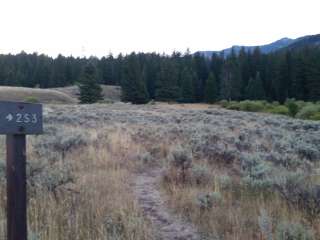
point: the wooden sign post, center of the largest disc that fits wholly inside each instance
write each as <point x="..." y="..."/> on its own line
<point x="16" y="121"/>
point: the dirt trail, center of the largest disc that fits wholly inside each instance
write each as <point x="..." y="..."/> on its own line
<point x="167" y="226"/>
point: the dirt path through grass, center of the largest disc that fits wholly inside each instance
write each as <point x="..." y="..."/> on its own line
<point x="167" y="226"/>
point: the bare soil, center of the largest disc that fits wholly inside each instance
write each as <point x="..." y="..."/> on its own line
<point x="167" y="225"/>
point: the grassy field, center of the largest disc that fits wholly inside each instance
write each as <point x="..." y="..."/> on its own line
<point x="231" y="174"/>
<point x="34" y="95"/>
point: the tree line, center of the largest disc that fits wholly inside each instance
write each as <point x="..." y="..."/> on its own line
<point x="290" y="73"/>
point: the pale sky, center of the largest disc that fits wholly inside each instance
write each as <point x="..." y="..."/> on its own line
<point x="97" y="27"/>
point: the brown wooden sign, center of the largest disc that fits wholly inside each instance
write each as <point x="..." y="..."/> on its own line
<point x="20" y="118"/>
<point x="16" y="121"/>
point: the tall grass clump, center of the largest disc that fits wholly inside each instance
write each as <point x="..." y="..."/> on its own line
<point x="309" y="111"/>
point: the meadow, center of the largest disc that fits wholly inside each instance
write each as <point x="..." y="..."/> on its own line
<point x="227" y="174"/>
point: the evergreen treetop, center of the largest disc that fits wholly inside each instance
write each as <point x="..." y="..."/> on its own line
<point x="90" y="90"/>
<point x="211" y="90"/>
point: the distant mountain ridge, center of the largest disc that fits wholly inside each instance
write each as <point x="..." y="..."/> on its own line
<point x="311" y="40"/>
<point x="282" y="43"/>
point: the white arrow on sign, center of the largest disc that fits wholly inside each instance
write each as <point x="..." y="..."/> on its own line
<point x="9" y="117"/>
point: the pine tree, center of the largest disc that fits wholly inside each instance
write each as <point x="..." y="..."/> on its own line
<point x="211" y="90"/>
<point x="255" y="90"/>
<point x="231" y="79"/>
<point x="244" y="65"/>
<point x="299" y="87"/>
<point x="152" y="68"/>
<point x="187" y="91"/>
<point x="283" y="80"/>
<point x="134" y="81"/>
<point x="90" y="90"/>
<point x="256" y="61"/>
<point x="58" y="76"/>
<point x="201" y="68"/>
<point x="107" y="70"/>
<point x="216" y="65"/>
<point x="167" y="85"/>
<point x="313" y="75"/>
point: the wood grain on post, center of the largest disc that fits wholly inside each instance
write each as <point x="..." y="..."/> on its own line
<point x="16" y="188"/>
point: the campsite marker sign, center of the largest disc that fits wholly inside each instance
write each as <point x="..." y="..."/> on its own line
<point x="16" y="121"/>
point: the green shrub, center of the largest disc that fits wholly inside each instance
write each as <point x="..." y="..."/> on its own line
<point x="180" y="161"/>
<point x="275" y="103"/>
<point x="293" y="231"/>
<point x="308" y="111"/>
<point x="292" y="106"/>
<point x="31" y="99"/>
<point x="315" y="116"/>
<point x="233" y="106"/>
<point x="224" y="181"/>
<point x="307" y="151"/>
<point x="301" y="103"/>
<point x="299" y="190"/>
<point x="201" y="175"/>
<point x="268" y="107"/>
<point x="181" y="158"/>
<point x="255" y="173"/>
<point x="223" y="103"/>
<point x="283" y="110"/>
<point x="252" y="106"/>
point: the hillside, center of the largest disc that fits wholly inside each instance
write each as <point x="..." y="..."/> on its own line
<point x="271" y="47"/>
<point x="65" y="95"/>
<point x="312" y="40"/>
<point x="41" y="95"/>
<point x="110" y="93"/>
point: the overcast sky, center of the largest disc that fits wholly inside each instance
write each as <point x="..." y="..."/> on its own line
<point x="97" y="27"/>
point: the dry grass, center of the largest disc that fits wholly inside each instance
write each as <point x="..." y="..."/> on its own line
<point x="110" y="93"/>
<point x="98" y="204"/>
<point x="42" y="95"/>
<point x="236" y="216"/>
<point x="185" y="106"/>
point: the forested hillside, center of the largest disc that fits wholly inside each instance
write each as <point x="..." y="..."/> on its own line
<point x="290" y="73"/>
